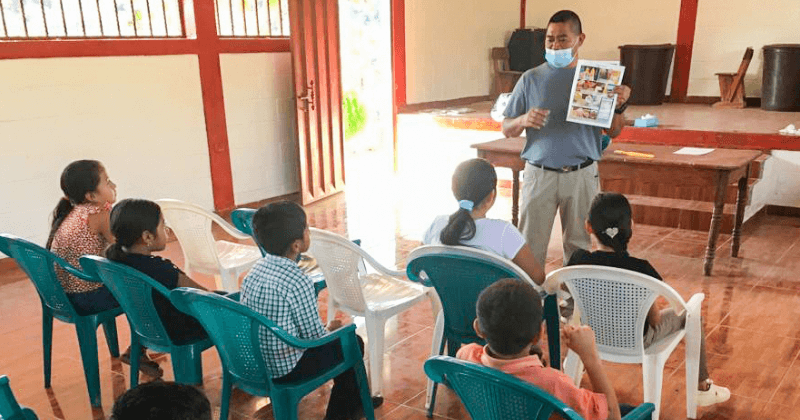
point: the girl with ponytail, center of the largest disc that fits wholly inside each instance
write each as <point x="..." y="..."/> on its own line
<point x="475" y="188"/>
<point x="611" y="225"/>
<point x="80" y="227"/>
<point x="139" y="228"/>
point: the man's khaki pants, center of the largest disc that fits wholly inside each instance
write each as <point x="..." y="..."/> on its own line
<point x="570" y="193"/>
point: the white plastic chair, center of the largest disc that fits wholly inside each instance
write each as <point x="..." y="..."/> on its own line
<point x="375" y="296"/>
<point x="447" y="252"/>
<point x="615" y="303"/>
<point x="202" y="253"/>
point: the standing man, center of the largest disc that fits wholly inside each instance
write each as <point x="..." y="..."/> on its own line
<point x="561" y="170"/>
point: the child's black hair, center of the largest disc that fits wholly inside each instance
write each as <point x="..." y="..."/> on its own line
<point x="610" y="219"/>
<point x="277" y="225"/>
<point x="162" y="401"/>
<point x="77" y="179"/>
<point x="509" y="315"/>
<point x="130" y="218"/>
<point x="473" y="180"/>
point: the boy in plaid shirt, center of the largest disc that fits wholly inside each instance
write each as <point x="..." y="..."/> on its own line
<point x="278" y="289"/>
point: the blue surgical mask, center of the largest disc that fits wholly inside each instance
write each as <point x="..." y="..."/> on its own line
<point x="559" y="58"/>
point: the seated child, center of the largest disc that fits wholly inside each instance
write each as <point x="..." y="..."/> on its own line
<point x="162" y="401"/>
<point x="510" y="320"/>
<point x="611" y="225"/>
<point x="81" y="227"/>
<point x="139" y="228"/>
<point x="276" y="288"/>
<point x="475" y="186"/>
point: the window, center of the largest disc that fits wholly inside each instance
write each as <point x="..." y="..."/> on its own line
<point x="49" y="19"/>
<point x="252" y="18"/>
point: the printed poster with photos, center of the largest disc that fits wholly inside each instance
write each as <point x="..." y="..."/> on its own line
<point x="592" y="99"/>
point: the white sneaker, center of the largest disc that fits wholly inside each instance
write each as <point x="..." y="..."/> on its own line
<point x="714" y="395"/>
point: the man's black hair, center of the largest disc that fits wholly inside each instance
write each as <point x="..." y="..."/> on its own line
<point x="162" y="401"/>
<point x="509" y="315"/>
<point x="277" y="225"/>
<point x="568" y="16"/>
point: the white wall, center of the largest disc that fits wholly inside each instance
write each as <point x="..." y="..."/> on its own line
<point x="141" y="116"/>
<point x="609" y="24"/>
<point x="725" y="28"/>
<point x="448" y="46"/>
<point x="260" y="111"/>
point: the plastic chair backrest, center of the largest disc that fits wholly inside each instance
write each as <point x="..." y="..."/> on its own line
<point x="234" y="330"/>
<point x="39" y="264"/>
<point x="614" y="302"/>
<point x="489" y="394"/>
<point x="339" y="260"/>
<point x="192" y="226"/>
<point x="242" y="219"/>
<point x="459" y="274"/>
<point x="134" y="292"/>
<point x="9" y="407"/>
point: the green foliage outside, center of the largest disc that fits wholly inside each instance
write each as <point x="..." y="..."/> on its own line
<point x="355" y="114"/>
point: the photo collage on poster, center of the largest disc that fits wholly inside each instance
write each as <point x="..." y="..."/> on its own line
<point x="593" y="98"/>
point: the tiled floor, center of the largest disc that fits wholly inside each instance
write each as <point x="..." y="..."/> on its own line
<point x="751" y="313"/>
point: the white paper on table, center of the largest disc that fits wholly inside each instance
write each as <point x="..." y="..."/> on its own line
<point x="694" y="151"/>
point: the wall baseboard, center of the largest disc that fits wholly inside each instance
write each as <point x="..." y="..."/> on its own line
<point x="708" y="100"/>
<point x="774" y="210"/>
<point x="411" y="108"/>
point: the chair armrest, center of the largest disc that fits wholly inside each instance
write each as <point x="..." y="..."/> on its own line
<point x="551" y="285"/>
<point x="227" y="227"/>
<point x="233" y="296"/>
<point x="75" y="272"/>
<point x="317" y="342"/>
<point x="641" y="412"/>
<point x="695" y="303"/>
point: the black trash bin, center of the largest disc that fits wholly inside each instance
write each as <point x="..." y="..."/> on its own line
<point x="646" y="71"/>
<point x="780" y="84"/>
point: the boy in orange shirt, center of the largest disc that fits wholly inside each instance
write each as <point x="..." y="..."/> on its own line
<point x="509" y="319"/>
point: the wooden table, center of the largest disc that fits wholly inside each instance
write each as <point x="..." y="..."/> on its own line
<point x="717" y="169"/>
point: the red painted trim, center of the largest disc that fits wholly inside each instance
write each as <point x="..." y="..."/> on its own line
<point x="214" y="105"/>
<point x="522" y="4"/>
<point x="134" y="47"/>
<point x="253" y="45"/>
<point x="683" y="50"/>
<point x="95" y="48"/>
<point x="399" y="51"/>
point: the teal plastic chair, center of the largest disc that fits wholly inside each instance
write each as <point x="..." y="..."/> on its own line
<point x="234" y="330"/>
<point x="9" y="407"/>
<point x="459" y="274"/>
<point x="39" y="264"/>
<point x="489" y="394"/>
<point x="134" y="292"/>
<point x="242" y="219"/>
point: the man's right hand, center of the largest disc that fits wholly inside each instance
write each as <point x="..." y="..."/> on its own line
<point x="580" y="339"/>
<point x="535" y="118"/>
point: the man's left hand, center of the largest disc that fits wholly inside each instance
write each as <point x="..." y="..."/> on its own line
<point x="623" y="93"/>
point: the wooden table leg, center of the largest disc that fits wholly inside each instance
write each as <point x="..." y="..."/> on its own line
<point x="515" y="199"/>
<point x="716" y="221"/>
<point x="741" y="200"/>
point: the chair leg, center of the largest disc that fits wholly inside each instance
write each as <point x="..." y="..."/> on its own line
<point x="363" y="390"/>
<point x="573" y="367"/>
<point x="653" y="375"/>
<point x="432" y="398"/>
<point x="436" y="349"/>
<point x="693" y="336"/>
<point x="110" y="330"/>
<point x="136" y="353"/>
<point x="47" y="343"/>
<point x="284" y="407"/>
<point x="187" y="365"/>
<point x="87" y="340"/>
<point x="226" y="396"/>
<point x="375" y="332"/>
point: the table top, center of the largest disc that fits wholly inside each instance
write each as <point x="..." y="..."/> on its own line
<point x="663" y="155"/>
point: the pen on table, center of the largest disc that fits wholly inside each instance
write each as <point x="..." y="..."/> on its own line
<point x="635" y="154"/>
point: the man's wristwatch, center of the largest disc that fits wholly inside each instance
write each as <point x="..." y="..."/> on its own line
<point x="621" y="108"/>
